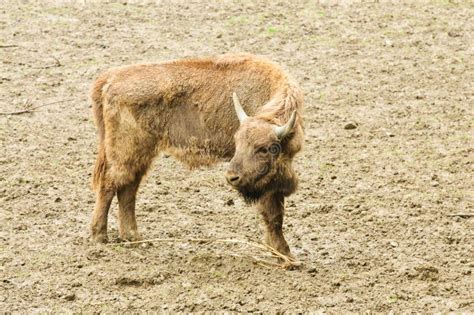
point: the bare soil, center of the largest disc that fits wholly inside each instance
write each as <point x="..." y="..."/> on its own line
<point x="388" y="158"/>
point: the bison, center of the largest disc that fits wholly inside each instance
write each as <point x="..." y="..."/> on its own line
<point x="236" y="106"/>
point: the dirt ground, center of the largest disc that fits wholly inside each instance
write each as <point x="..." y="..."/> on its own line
<point x="370" y="222"/>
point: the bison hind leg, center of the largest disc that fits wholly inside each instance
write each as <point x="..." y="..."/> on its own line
<point x="121" y="177"/>
<point x="126" y="195"/>
<point x="128" y="170"/>
<point x="105" y="194"/>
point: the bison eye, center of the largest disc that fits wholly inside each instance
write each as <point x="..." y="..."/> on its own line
<point x="275" y="149"/>
<point x="262" y="150"/>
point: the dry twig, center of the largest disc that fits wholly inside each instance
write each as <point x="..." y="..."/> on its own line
<point x="462" y="215"/>
<point x="288" y="262"/>
<point x="28" y="108"/>
<point x="8" y="46"/>
<point x="56" y="63"/>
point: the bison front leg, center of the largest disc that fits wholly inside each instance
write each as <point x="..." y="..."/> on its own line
<point x="271" y="208"/>
<point x="127" y="223"/>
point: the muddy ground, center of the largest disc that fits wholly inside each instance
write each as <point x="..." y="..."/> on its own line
<point x="371" y="221"/>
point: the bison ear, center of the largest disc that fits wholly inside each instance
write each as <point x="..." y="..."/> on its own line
<point x="238" y="108"/>
<point x="285" y="130"/>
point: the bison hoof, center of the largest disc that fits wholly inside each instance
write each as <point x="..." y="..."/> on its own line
<point x="131" y="236"/>
<point x="99" y="239"/>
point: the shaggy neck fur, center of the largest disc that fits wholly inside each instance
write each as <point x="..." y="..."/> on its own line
<point x="284" y="181"/>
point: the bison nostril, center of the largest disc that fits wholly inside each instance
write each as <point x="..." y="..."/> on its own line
<point x="232" y="178"/>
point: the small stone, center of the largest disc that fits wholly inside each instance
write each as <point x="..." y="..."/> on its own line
<point x="186" y="285"/>
<point x="69" y="297"/>
<point x="312" y="270"/>
<point x="219" y="36"/>
<point x="454" y="34"/>
<point x="350" y="126"/>
<point x="21" y="227"/>
<point x="347" y="208"/>
<point x="388" y="43"/>
<point x="393" y="244"/>
<point x="229" y="202"/>
<point x="58" y="199"/>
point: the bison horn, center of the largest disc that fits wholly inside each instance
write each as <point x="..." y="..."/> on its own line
<point x="283" y="131"/>
<point x="238" y="109"/>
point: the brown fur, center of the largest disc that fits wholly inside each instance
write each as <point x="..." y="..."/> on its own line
<point x="96" y="97"/>
<point x="184" y="107"/>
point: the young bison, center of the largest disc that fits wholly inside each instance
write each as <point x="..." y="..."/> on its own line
<point x="184" y="107"/>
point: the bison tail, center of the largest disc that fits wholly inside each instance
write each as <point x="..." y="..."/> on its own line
<point x="99" y="169"/>
<point x="97" y="109"/>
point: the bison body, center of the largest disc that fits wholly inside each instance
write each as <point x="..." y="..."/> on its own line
<point x="185" y="108"/>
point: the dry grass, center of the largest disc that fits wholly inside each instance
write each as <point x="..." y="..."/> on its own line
<point x="285" y="262"/>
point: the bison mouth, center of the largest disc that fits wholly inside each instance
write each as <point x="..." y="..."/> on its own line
<point x="250" y="194"/>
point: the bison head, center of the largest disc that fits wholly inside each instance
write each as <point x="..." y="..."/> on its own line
<point x="262" y="159"/>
